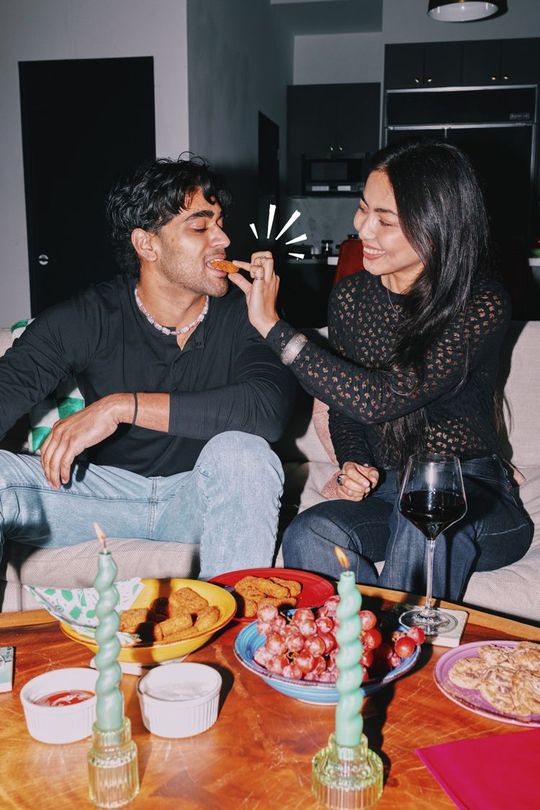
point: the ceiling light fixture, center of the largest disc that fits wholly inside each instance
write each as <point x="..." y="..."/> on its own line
<point x="462" y="10"/>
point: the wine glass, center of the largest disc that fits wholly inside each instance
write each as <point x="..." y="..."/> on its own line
<point x="432" y="497"/>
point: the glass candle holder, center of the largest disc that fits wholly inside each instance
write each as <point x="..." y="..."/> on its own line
<point x="113" y="773"/>
<point x="347" y="777"/>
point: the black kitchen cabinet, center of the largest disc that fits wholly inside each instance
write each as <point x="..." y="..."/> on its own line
<point x="506" y="61"/>
<point x="476" y="63"/>
<point x="330" y="119"/>
<point x="431" y="64"/>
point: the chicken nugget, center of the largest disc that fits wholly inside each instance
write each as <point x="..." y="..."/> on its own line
<point x="245" y="584"/>
<point x="180" y="621"/>
<point x="159" y="607"/>
<point x="180" y="635"/>
<point x="249" y="608"/>
<point x="186" y="600"/>
<point x="149" y="632"/>
<point x="270" y="588"/>
<point x="248" y="591"/>
<point x="225" y="266"/>
<point x="264" y="586"/>
<point x="132" y="618"/>
<point x="292" y="585"/>
<point x="207" y="618"/>
<point x="278" y="601"/>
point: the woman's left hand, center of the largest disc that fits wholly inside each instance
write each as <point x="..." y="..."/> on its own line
<point x="356" y="481"/>
<point x="261" y="293"/>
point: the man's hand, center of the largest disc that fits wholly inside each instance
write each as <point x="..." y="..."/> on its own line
<point x="356" y="481"/>
<point x="70" y="436"/>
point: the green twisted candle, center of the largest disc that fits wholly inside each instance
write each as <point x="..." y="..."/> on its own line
<point x="109" y="698"/>
<point x="349" y="721"/>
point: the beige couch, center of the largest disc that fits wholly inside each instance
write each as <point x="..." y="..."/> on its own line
<point x="514" y="590"/>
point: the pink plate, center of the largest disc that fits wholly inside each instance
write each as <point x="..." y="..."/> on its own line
<point x="472" y="699"/>
<point x="315" y="589"/>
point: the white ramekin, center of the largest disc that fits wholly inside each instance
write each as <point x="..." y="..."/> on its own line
<point x="179" y="716"/>
<point x="60" y="724"/>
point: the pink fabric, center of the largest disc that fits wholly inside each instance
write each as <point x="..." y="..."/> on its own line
<point x="320" y="423"/>
<point x="330" y="489"/>
<point x="490" y="773"/>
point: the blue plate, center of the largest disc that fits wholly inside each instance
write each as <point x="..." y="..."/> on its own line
<point x="249" y="640"/>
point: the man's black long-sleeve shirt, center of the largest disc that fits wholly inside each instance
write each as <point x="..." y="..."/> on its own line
<point x="225" y="378"/>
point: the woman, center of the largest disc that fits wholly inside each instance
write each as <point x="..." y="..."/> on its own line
<point x="416" y="340"/>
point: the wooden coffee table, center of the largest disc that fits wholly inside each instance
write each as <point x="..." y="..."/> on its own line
<point x="258" y="755"/>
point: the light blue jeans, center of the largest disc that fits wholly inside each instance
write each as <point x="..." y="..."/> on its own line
<point x="228" y="504"/>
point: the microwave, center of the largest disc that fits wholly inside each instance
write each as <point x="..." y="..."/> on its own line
<point x="335" y="174"/>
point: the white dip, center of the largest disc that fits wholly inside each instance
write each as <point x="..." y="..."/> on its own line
<point x="177" y="691"/>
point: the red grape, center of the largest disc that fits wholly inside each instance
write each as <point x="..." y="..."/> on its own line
<point x="330" y="607"/>
<point x="319" y="665"/>
<point x="292" y="671"/>
<point x="294" y="639"/>
<point x="372" y="638"/>
<point x="367" y="658"/>
<point x="324" y="624"/>
<point x="276" y="644"/>
<point x="417" y="634"/>
<point x="315" y="645"/>
<point x="329" y="640"/>
<point x="307" y="627"/>
<point x="267" y="612"/>
<point x="262" y="655"/>
<point x="303" y="614"/>
<point x="404" y="646"/>
<point x="304" y="647"/>
<point x="277" y="664"/>
<point x="305" y="661"/>
<point x="368" y="619"/>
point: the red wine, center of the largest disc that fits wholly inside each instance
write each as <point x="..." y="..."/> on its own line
<point x="432" y="511"/>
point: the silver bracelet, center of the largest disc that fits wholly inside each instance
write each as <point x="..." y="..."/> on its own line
<point x="293" y="348"/>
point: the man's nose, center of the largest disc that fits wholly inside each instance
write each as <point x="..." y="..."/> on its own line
<point x="219" y="237"/>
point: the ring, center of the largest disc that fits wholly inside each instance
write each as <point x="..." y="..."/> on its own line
<point x="339" y="479"/>
<point x="258" y="278"/>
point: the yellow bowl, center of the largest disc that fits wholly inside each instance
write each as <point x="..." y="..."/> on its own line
<point x="156" y="653"/>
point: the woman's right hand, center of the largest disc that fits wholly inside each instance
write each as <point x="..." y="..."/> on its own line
<point x="356" y="481"/>
<point x="261" y="293"/>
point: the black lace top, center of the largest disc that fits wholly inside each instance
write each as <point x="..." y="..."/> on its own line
<point x="354" y="379"/>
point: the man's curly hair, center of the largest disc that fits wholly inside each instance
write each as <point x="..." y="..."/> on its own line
<point x="153" y="195"/>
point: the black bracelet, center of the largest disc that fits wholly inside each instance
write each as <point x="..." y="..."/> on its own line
<point x="135" y="409"/>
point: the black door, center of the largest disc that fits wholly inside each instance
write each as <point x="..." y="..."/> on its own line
<point x="85" y="124"/>
<point x="268" y="173"/>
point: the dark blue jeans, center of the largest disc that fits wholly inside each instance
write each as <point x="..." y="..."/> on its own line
<point x="496" y="531"/>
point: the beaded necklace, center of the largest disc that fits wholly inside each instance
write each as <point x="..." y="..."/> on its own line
<point x="165" y="329"/>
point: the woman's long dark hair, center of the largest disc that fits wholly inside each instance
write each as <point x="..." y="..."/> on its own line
<point x="442" y="214"/>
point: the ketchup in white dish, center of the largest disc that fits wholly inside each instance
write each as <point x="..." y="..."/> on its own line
<point x="66" y="698"/>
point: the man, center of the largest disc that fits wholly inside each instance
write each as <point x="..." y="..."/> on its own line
<point x="182" y="396"/>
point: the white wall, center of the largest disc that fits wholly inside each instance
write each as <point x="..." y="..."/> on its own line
<point x="79" y="29"/>
<point x="360" y="57"/>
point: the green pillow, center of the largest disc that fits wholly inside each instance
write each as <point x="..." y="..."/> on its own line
<point x="67" y="399"/>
